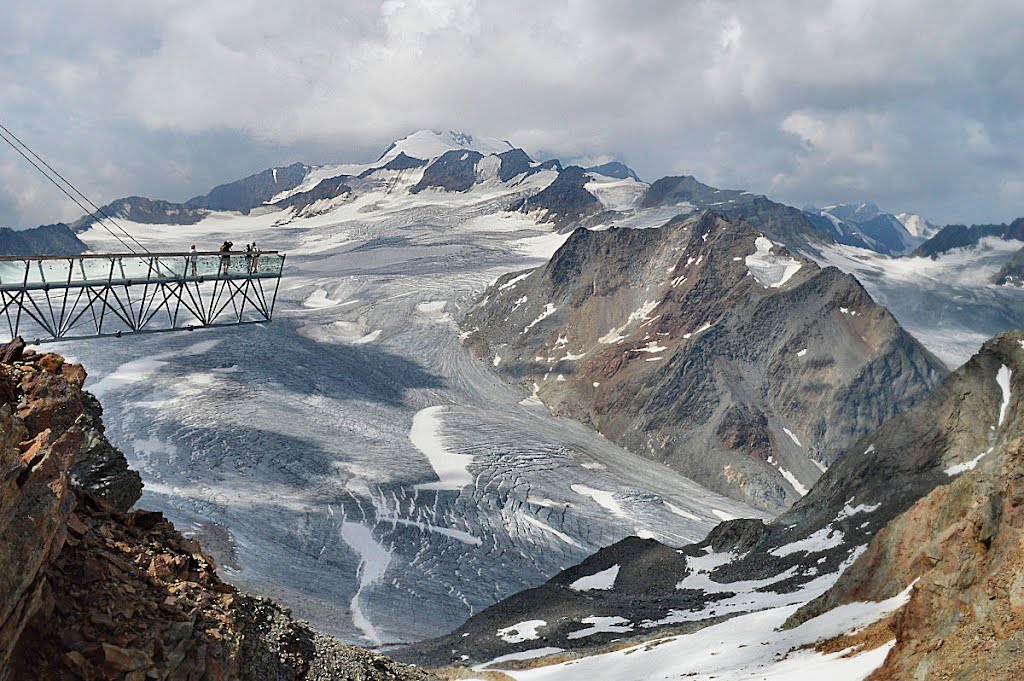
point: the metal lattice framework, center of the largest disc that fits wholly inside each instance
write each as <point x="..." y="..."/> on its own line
<point x="48" y="298"/>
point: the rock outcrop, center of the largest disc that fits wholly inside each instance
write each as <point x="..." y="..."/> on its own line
<point x="90" y="590"/>
<point x="1012" y="273"/>
<point x="249" y="192"/>
<point x="56" y="239"/>
<point x="961" y="546"/>
<point x="565" y="201"/>
<point x="142" y="210"/>
<point x="703" y="345"/>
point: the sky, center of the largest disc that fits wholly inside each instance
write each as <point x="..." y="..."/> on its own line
<point x="917" y="105"/>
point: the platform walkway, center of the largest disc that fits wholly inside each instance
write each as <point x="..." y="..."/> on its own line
<point x="64" y="297"/>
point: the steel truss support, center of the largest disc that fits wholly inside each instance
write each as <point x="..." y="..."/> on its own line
<point x="115" y="304"/>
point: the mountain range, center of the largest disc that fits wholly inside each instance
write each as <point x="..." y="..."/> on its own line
<point x="596" y="428"/>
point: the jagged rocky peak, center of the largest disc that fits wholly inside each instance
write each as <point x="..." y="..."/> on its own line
<point x="565" y="201"/>
<point x="705" y="345"/>
<point x="145" y="211"/>
<point x="954" y="459"/>
<point x="959" y="550"/>
<point x="91" y="590"/>
<point x="57" y="239"/>
<point x="252" y="191"/>
<point x="615" y="169"/>
<point x="874" y="229"/>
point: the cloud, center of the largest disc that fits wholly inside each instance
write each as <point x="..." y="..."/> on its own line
<point x="917" y="105"/>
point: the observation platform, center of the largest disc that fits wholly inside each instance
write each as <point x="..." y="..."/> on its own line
<point x="70" y="297"/>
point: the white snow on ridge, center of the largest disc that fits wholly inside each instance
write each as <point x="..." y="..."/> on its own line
<point x="601" y="581"/>
<point x="771" y="271"/>
<point x="601" y="625"/>
<point x="548" y="310"/>
<point x="1003" y="379"/>
<point x="957" y="469"/>
<point x="792" y="480"/>
<point x="452" y="469"/>
<point x="429" y="144"/>
<point x="750" y="646"/>
<point x="821" y="540"/>
<point x="521" y="632"/>
<point x="615" y="194"/>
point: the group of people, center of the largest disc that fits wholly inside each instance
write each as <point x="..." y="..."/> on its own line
<point x="252" y="258"/>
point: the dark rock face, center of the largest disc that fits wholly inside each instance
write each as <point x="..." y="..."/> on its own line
<point x="1012" y="273"/>
<point x="403" y="162"/>
<point x="143" y="210"/>
<point x="513" y="162"/>
<point x="56" y="239"/>
<point x="453" y="171"/>
<point x="616" y="169"/>
<point x="959" y="236"/>
<point x="565" y="200"/>
<point x="329" y="188"/>
<point x="663" y="341"/>
<point x="964" y="538"/>
<point x="247" y="193"/>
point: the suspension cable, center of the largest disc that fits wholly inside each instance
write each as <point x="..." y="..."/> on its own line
<point x="90" y="213"/>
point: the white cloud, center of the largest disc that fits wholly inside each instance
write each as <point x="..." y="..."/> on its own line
<point x="895" y="102"/>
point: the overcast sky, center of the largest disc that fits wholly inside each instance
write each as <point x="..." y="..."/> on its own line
<point x="917" y="104"/>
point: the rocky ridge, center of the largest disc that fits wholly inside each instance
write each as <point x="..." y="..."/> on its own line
<point x="703" y="345"/>
<point x="90" y="590"/>
<point x="58" y="239"/>
<point x="911" y="500"/>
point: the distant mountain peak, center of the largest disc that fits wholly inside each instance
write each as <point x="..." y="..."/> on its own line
<point x="428" y="144"/>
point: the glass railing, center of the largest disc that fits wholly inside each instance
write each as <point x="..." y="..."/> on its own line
<point x="70" y="270"/>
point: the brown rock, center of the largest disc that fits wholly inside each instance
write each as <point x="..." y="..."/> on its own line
<point x="51" y="362"/>
<point x="75" y="373"/>
<point x="12" y="351"/>
<point x="124" y="659"/>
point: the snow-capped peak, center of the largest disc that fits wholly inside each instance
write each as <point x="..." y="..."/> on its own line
<point x="917" y="225"/>
<point x="429" y="144"/>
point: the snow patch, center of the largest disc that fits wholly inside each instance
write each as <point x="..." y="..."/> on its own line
<point x="603" y="499"/>
<point x="548" y="310"/>
<point x="521" y="632"/>
<point x="959" y="468"/>
<point x="601" y="581"/>
<point x="1003" y="379"/>
<point x="452" y="469"/>
<point x="822" y="540"/>
<point x="601" y="625"/>
<point x="792" y="437"/>
<point x="771" y="271"/>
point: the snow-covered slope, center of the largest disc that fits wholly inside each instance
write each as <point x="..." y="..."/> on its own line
<point x="428" y="144"/>
<point x="864" y="224"/>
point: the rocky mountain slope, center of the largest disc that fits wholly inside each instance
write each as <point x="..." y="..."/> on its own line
<point x="931" y="494"/>
<point x="882" y="232"/>
<point x="89" y="590"/>
<point x="1012" y="273"/>
<point x="959" y="547"/>
<point x="703" y="345"/>
<point x="960" y="236"/>
<point x="56" y="239"/>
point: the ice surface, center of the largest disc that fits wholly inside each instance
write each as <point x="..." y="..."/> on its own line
<point x="770" y="270"/>
<point x="602" y="581"/>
